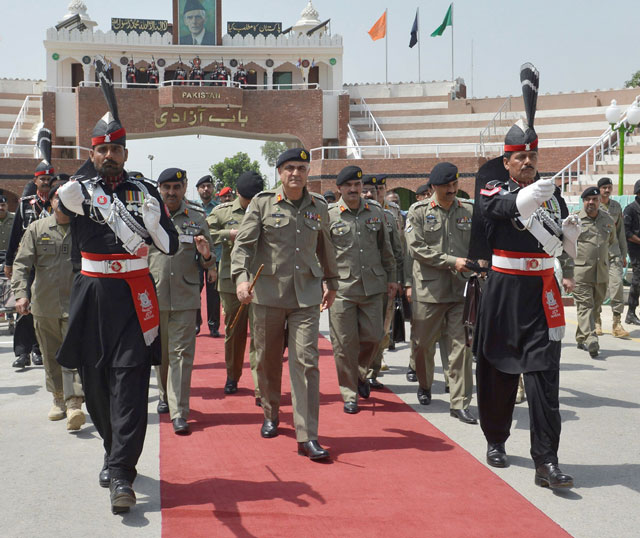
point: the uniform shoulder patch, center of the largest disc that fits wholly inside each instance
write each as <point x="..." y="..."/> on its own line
<point x="262" y="194"/>
<point x="195" y="207"/>
<point x="492" y="188"/>
<point x="374" y="202"/>
<point x="318" y="197"/>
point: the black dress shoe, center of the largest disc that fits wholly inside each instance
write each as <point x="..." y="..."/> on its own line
<point x="197" y="330"/>
<point x="424" y="396"/>
<point x="463" y="415"/>
<point x="497" y="455"/>
<point x="214" y="333"/>
<point x="593" y="349"/>
<point x="392" y="345"/>
<point x="632" y="319"/>
<point x="163" y="407"/>
<point x="375" y="384"/>
<point x="104" y="478"/>
<point x="364" y="389"/>
<point x="269" y="428"/>
<point x="259" y="402"/>
<point x="351" y="408"/>
<point x="411" y="375"/>
<point x="230" y="387"/>
<point x="549" y="475"/>
<point x="36" y="358"/>
<point x="581" y="346"/>
<point x="312" y="450"/>
<point x="22" y="361"/>
<point x="180" y="426"/>
<point x="122" y="495"/>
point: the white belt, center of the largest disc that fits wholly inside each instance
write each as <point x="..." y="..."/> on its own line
<point x="522" y="264"/>
<point x="108" y="267"/>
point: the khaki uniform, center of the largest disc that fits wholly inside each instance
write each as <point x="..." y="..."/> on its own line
<point x="596" y="244"/>
<point x="221" y="221"/>
<point x="292" y="241"/>
<point x="616" y="289"/>
<point x="396" y="238"/>
<point x="435" y="238"/>
<point x="5" y="230"/>
<point x="178" y="287"/>
<point x="365" y="265"/>
<point x="46" y="246"/>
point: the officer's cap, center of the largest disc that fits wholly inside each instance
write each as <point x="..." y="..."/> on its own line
<point x="294" y="154"/>
<point x="443" y="173"/>
<point x="636" y="187"/>
<point x="375" y="179"/>
<point x="172" y="174"/>
<point x="590" y="191"/>
<point x="349" y="173"/>
<point x="54" y="190"/>
<point x="3" y="199"/>
<point x="330" y="196"/>
<point x="225" y="190"/>
<point x="249" y="184"/>
<point x="604" y="181"/>
<point x="204" y="179"/>
<point x="422" y="189"/>
<point x="193" y="5"/>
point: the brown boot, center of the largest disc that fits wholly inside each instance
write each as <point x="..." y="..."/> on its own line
<point x="618" y="330"/>
<point x="599" y="327"/>
<point x="58" y="410"/>
<point x="75" y="416"/>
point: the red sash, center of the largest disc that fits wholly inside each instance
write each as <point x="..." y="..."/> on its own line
<point x="143" y="293"/>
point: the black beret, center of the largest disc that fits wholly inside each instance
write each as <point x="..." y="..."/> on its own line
<point x="204" y="179"/>
<point x="329" y="194"/>
<point x="422" y="189"/>
<point x="3" y="199"/>
<point x="375" y="179"/>
<point x="590" y="191"/>
<point x="249" y="184"/>
<point x="294" y="154"/>
<point x="54" y="190"/>
<point x="443" y="173"/>
<point x="348" y="173"/>
<point x="604" y="181"/>
<point x="636" y="187"/>
<point x="172" y="174"/>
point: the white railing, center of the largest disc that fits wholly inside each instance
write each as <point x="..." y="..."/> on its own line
<point x="32" y="149"/>
<point x="200" y="83"/>
<point x="497" y="121"/>
<point x="354" y="139"/>
<point x="22" y="116"/>
<point x="373" y="124"/>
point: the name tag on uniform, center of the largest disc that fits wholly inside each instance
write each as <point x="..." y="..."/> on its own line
<point x="185" y="238"/>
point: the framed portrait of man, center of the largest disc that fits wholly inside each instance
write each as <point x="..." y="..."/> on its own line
<point x="197" y="22"/>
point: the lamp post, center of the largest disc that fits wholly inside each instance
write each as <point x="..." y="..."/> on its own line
<point x="150" y="157"/>
<point x="613" y="115"/>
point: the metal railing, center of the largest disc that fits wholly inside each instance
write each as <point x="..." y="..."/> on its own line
<point x="354" y="138"/>
<point x="497" y="121"/>
<point x="203" y="83"/>
<point x="22" y="115"/>
<point x="373" y="124"/>
<point x="32" y="149"/>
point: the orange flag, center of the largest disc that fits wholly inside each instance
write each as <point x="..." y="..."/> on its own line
<point x="379" y="29"/>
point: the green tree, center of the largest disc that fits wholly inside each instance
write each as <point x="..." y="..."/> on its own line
<point x="634" y="82"/>
<point x="271" y="151"/>
<point x="226" y="173"/>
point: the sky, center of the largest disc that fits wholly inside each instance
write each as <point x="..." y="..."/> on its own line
<point x="573" y="43"/>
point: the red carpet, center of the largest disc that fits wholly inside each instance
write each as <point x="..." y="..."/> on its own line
<point x="391" y="472"/>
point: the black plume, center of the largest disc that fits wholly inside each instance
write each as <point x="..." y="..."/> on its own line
<point x="530" y="79"/>
<point x="107" y="88"/>
<point x="44" y="144"/>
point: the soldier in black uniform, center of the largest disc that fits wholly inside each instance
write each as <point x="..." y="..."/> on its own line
<point x="631" y="215"/>
<point x="30" y="208"/>
<point x="113" y="314"/>
<point x="521" y="320"/>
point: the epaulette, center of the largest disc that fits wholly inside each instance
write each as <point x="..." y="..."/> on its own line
<point x="30" y="197"/>
<point x="222" y="206"/>
<point x="265" y="193"/>
<point x="393" y="204"/>
<point x="374" y="202"/>
<point x="195" y="207"/>
<point x="420" y="203"/>
<point x="493" y="187"/>
<point x="386" y="210"/>
<point x="333" y="204"/>
<point x="318" y="197"/>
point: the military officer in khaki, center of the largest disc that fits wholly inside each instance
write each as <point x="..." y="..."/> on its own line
<point x="374" y="191"/>
<point x="367" y="271"/>
<point x="46" y="247"/>
<point x="596" y="244"/>
<point x="224" y="222"/>
<point x="287" y="230"/>
<point x="178" y="287"/>
<point x="616" y="263"/>
<point x="6" y="222"/>
<point x="438" y="231"/>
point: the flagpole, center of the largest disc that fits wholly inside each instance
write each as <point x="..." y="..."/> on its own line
<point x="419" y="43"/>
<point x="451" y="42"/>
<point x="386" y="47"/>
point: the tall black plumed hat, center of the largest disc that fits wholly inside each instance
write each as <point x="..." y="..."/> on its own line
<point x="522" y="136"/>
<point x="108" y="130"/>
<point x="44" y="168"/>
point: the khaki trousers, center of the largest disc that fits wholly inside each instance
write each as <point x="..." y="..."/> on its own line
<point x="432" y="321"/>
<point x="355" y="325"/>
<point x="443" y="345"/>
<point x="178" y="340"/>
<point x="50" y="332"/>
<point x="588" y="297"/>
<point x="383" y="343"/>
<point x="304" y="327"/>
<point x="235" y="340"/>
<point x="615" y="291"/>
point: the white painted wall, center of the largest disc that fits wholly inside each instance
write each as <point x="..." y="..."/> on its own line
<point x="66" y="114"/>
<point x="330" y="116"/>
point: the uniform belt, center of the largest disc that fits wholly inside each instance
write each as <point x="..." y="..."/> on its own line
<point x="534" y="264"/>
<point x="113" y="266"/>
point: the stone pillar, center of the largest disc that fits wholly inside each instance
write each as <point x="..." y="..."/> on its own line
<point x="270" y="78"/>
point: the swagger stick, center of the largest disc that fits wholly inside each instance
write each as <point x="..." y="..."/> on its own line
<point x="242" y="305"/>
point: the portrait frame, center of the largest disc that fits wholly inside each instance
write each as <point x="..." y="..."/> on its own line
<point x="212" y="25"/>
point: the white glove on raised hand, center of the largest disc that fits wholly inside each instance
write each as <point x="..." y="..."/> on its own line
<point x="571" y="230"/>
<point x="151" y="214"/>
<point x="72" y="197"/>
<point x="531" y="197"/>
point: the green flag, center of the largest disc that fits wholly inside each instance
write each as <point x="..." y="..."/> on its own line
<point x="448" y="21"/>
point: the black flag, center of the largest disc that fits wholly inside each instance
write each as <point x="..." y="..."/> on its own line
<point x="414" y="32"/>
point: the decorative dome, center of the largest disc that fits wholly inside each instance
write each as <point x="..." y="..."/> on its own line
<point x="78" y="7"/>
<point x="309" y="18"/>
<point x="309" y="12"/>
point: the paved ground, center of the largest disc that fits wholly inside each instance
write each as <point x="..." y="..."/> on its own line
<point x="49" y="476"/>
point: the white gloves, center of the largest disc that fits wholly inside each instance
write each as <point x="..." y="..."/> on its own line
<point x="571" y="230"/>
<point x="531" y="197"/>
<point x="72" y="197"/>
<point x="151" y="213"/>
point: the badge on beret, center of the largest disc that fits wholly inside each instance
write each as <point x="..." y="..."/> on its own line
<point x="303" y="155"/>
<point x="373" y="180"/>
<point x="179" y="175"/>
<point x="359" y="174"/>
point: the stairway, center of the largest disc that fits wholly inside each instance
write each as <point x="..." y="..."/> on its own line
<point x="11" y="103"/>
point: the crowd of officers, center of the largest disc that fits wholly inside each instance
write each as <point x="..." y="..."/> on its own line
<point x="275" y="259"/>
